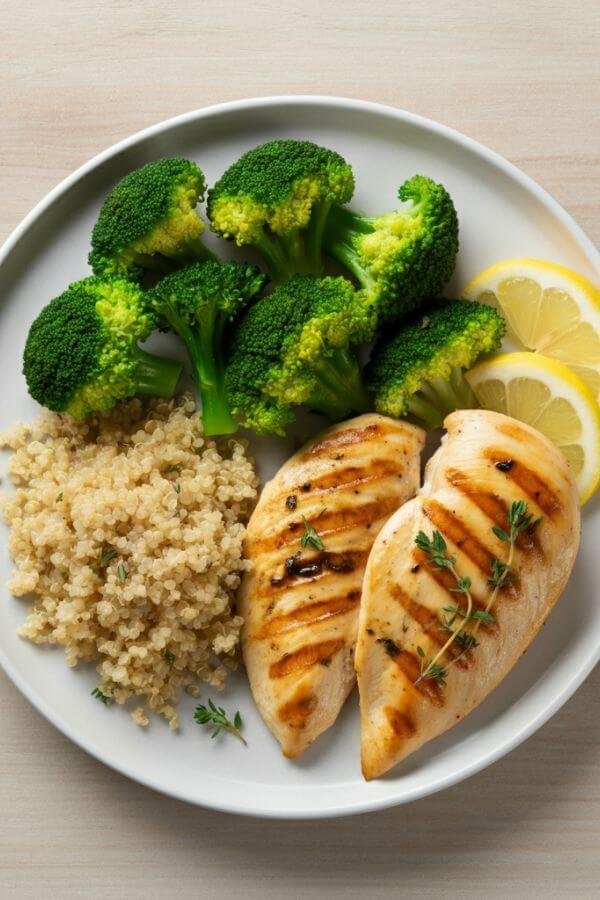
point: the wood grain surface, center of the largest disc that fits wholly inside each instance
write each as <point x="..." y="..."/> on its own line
<point x="523" y="78"/>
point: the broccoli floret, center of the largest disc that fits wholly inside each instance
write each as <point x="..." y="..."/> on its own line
<point x="82" y="356"/>
<point x="276" y="198"/>
<point x="149" y="222"/>
<point x="419" y="371"/>
<point x="404" y="257"/>
<point x="295" y="347"/>
<point x="197" y="303"/>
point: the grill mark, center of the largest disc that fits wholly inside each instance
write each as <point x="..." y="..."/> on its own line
<point x="492" y="506"/>
<point x="445" y="580"/>
<point x="514" y="430"/>
<point x="311" y="614"/>
<point x="305" y="657"/>
<point x="346" y="437"/>
<point x="530" y="483"/>
<point x="298" y="710"/>
<point x="409" y="665"/>
<point x="356" y="475"/>
<point x="401" y="724"/>
<point x="328" y="523"/>
<point x="455" y="530"/>
<point x="340" y="564"/>
<point x="429" y="623"/>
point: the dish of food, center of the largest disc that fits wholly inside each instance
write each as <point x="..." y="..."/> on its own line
<point x="296" y="312"/>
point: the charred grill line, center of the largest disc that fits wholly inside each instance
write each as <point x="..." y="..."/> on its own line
<point x="305" y="657"/>
<point x="527" y="480"/>
<point x="311" y="614"/>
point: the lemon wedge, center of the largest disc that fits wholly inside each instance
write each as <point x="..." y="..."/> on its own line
<point x="548" y="309"/>
<point x="547" y="395"/>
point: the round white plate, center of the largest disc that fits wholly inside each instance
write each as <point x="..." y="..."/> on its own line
<point x="502" y="213"/>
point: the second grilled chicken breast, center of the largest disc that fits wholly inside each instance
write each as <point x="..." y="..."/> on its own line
<point x="300" y="604"/>
<point x="487" y="462"/>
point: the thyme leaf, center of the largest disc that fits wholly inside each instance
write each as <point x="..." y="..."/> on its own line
<point x="102" y="697"/>
<point x="311" y="536"/>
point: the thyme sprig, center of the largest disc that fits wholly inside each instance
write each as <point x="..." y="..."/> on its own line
<point x="436" y="549"/>
<point x="430" y="669"/>
<point x="311" y="536"/>
<point x="101" y="696"/>
<point x="519" y="520"/>
<point x="217" y="717"/>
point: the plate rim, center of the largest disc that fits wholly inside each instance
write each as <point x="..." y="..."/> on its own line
<point x="510" y="169"/>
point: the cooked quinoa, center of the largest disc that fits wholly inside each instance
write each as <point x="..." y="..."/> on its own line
<point x="127" y="530"/>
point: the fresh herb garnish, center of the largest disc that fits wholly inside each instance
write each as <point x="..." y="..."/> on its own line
<point x="430" y="669"/>
<point x="105" y="557"/>
<point x="59" y="497"/>
<point x="170" y="657"/>
<point x="217" y="717"/>
<point x="480" y="614"/>
<point x="122" y="573"/>
<point x="177" y="488"/>
<point x="310" y="536"/>
<point x="500" y="573"/>
<point x="99" y="695"/>
<point x="437" y="550"/>
<point x="519" y="520"/>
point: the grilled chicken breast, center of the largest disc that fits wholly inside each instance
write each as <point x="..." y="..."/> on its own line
<point x="300" y="604"/>
<point x="486" y="462"/>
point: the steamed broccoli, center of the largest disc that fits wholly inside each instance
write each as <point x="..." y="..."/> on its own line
<point x="148" y="221"/>
<point x="419" y="371"/>
<point x="295" y="347"/>
<point x="404" y="257"/>
<point x="81" y="353"/>
<point x="276" y="198"/>
<point x="197" y="303"/>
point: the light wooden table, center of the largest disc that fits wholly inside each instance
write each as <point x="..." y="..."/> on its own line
<point x="521" y="77"/>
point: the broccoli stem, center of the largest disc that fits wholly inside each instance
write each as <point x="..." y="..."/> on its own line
<point x="275" y="257"/>
<point x="193" y="250"/>
<point x="314" y="237"/>
<point x="203" y="344"/>
<point x="152" y="262"/>
<point x="295" y="253"/>
<point x="210" y="375"/>
<point x="156" y="376"/>
<point x="341" y="228"/>
<point x="437" y="398"/>
<point x="340" y="390"/>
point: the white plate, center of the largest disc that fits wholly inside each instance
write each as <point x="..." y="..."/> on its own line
<point x="502" y="213"/>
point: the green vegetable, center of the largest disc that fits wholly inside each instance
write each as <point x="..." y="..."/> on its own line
<point x="419" y="371"/>
<point x="148" y="221"/>
<point x="404" y="257"/>
<point x="82" y="355"/>
<point x="197" y="303"/>
<point x="294" y="346"/>
<point x="276" y="198"/>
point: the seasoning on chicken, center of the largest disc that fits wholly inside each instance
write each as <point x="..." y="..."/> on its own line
<point x="460" y="580"/>
<point x="308" y="541"/>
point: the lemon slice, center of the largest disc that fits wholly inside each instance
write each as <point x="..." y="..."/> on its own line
<point x="549" y="309"/>
<point x="547" y="395"/>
